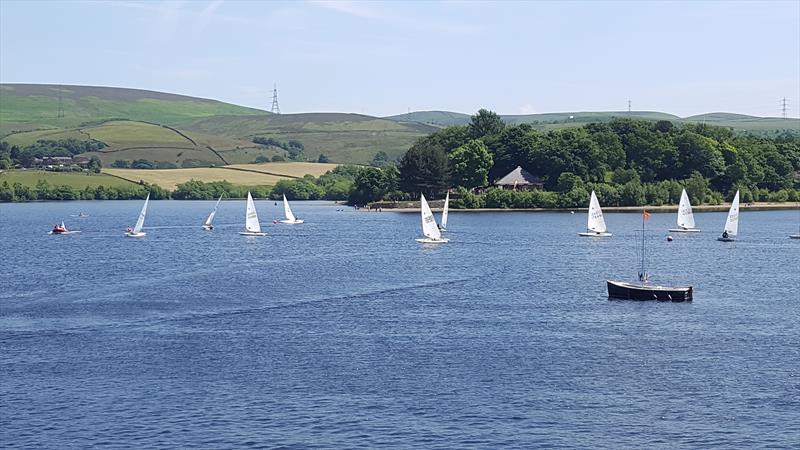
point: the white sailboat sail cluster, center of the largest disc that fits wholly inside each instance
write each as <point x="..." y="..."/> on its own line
<point x="685" y="216"/>
<point x="429" y="227"/>
<point x="207" y="224"/>
<point x="252" y="227"/>
<point x="287" y="211"/>
<point x="137" y="229"/>
<point x="596" y="225"/>
<point x="732" y="222"/>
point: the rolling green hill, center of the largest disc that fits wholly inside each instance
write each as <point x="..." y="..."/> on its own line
<point x="739" y="122"/>
<point x="138" y="124"/>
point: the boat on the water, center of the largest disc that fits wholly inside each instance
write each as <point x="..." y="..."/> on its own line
<point x="252" y="227"/>
<point x="596" y="226"/>
<point x="207" y="224"/>
<point x="287" y="211"/>
<point x="445" y="211"/>
<point x="643" y="290"/>
<point x="796" y="236"/>
<point x="429" y="228"/>
<point x="62" y="229"/>
<point x="732" y="222"/>
<point x="685" y="216"/>
<point x="136" y="231"/>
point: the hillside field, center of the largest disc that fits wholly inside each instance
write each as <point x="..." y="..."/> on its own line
<point x="73" y="179"/>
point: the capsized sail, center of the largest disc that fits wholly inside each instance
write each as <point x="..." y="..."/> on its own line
<point x="596" y="221"/>
<point x="251" y="223"/>
<point x="445" y="210"/>
<point x="140" y="221"/>
<point x="287" y="211"/>
<point x="429" y="228"/>
<point x="732" y="223"/>
<point x="685" y="215"/>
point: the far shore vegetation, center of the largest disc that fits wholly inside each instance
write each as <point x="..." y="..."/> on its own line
<point x="627" y="162"/>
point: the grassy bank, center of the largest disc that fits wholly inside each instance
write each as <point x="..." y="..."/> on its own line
<point x="77" y="180"/>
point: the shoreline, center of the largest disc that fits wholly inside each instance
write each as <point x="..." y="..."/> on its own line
<point x="753" y="206"/>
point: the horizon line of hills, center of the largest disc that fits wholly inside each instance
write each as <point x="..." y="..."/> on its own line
<point x="194" y="132"/>
<point x="436" y="117"/>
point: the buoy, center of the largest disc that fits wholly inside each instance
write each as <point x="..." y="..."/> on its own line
<point x="669" y="238"/>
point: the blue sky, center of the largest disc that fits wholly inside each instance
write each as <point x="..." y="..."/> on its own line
<point x="383" y="58"/>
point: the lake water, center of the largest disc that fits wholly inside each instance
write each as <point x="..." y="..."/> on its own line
<point x="345" y="332"/>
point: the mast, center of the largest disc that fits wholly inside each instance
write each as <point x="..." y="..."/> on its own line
<point x="642" y="273"/>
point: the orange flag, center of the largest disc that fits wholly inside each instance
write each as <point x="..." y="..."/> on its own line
<point x="645" y="215"/>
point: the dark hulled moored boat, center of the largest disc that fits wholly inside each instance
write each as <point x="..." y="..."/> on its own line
<point x="644" y="291"/>
<point x="630" y="291"/>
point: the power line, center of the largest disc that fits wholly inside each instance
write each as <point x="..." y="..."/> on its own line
<point x="629" y="106"/>
<point x="275" y="108"/>
<point x="784" y="106"/>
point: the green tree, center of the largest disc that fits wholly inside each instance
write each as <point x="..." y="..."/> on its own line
<point x="323" y="159"/>
<point x="424" y="168"/>
<point x="95" y="164"/>
<point x="121" y="164"/>
<point x="485" y="123"/>
<point x="470" y="164"/>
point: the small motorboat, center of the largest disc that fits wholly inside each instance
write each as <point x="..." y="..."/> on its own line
<point x="62" y="229"/>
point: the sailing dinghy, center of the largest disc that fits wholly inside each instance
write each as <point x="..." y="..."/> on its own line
<point x="685" y="216"/>
<point x="287" y="211"/>
<point x="429" y="228"/>
<point x="643" y="290"/>
<point x="445" y="211"/>
<point x="252" y="227"/>
<point x="136" y="231"/>
<point x="207" y="224"/>
<point x="795" y="236"/>
<point x="732" y="222"/>
<point x="596" y="225"/>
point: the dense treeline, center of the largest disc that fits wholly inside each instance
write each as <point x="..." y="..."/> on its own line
<point x="12" y="155"/>
<point x="294" y="149"/>
<point x="628" y="162"/>
<point x="17" y="192"/>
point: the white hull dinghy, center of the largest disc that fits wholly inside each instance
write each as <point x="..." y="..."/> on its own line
<point x="252" y="227"/>
<point x="429" y="227"/>
<point x="287" y="211"/>
<point x="732" y="222"/>
<point x="685" y="216"/>
<point x="596" y="225"/>
<point x="136" y="231"/>
<point x="445" y="212"/>
<point x="207" y="224"/>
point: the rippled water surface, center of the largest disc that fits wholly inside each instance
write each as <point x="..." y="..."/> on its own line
<point x="344" y="332"/>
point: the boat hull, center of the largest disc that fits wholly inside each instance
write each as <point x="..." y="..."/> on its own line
<point x="628" y="291"/>
<point x="433" y="241"/>
<point x="291" y="222"/>
<point x="684" y="230"/>
<point x="208" y="228"/>
<point x="595" y="234"/>
<point x="136" y="235"/>
<point x="727" y="239"/>
<point x="794" y="236"/>
<point x="251" y="233"/>
<point x="63" y="232"/>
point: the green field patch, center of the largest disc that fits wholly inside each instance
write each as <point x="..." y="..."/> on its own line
<point x="128" y="133"/>
<point x="72" y="179"/>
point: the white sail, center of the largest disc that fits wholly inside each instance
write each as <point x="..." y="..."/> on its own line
<point x="213" y="213"/>
<point x="140" y="222"/>
<point x="596" y="221"/>
<point x="685" y="215"/>
<point x="732" y="223"/>
<point x="445" y="210"/>
<point x="251" y="223"/>
<point x="287" y="211"/>
<point x="429" y="228"/>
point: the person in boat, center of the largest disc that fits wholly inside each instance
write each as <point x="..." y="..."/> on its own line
<point x="725" y="234"/>
<point x="58" y="229"/>
<point x="129" y="230"/>
<point x="210" y="227"/>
